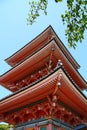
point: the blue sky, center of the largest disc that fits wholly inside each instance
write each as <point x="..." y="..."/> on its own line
<point x="14" y="32"/>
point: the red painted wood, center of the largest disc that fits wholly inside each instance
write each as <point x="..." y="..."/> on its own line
<point x="49" y="127"/>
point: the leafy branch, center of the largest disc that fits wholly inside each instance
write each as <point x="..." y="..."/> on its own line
<point x="76" y="21"/>
<point x="35" y="9"/>
<point x="75" y="18"/>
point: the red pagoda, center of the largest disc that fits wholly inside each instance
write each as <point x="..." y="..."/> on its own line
<point x="46" y="85"/>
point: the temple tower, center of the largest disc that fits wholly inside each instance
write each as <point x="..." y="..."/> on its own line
<point x="46" y="85"/>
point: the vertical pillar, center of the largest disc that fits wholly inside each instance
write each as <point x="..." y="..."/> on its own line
<point x="49" y="127"/>
<point x="36" y="128"/>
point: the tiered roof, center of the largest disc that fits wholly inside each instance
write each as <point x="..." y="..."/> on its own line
<point x="36" y="44"/>
<point x="28" y="59"/>
<point x="37" y="68"/>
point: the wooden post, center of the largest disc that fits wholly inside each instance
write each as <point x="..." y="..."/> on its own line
<point x="36" y="128"/>
<point x="49" y="127"/>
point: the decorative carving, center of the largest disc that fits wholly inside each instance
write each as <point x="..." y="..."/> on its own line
<point x="33" y="77"/>
<point x="42" y="110"/>
<point x="49" y="66"/>
<point x="59" y="63"/>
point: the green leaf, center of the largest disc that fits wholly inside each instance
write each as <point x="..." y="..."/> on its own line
<point x="75" y="18"/>
<point x="58" y="0"/>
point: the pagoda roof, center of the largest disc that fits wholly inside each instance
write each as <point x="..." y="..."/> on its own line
<point x="36" y="44"/>
<point x="32" y="63"/>
<point x="69" y="93"/>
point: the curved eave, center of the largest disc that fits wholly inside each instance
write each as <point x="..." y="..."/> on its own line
<point x="37" y="43"/>
<point x="29" y="48"/>
<point x="36" y="60"/>
<point x="65" y="50"/>
<point x="27" y="67"/>
<point x="68" y="93"/>
<point x="70" y="68"/>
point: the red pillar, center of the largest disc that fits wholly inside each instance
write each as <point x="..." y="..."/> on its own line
<point x="49" y="127"/>
<point x="36" y="128"/>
